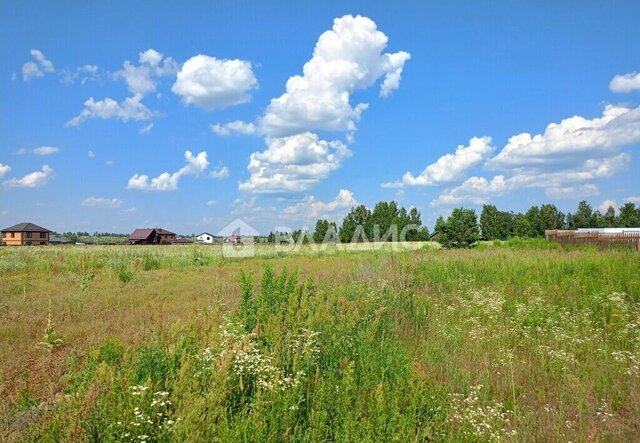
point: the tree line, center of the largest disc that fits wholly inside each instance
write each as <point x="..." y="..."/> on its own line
<point x="386" y="222"/>
<point x="462" y="229"/>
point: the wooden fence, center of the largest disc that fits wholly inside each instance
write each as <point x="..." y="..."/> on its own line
<point x="601" y="240"/>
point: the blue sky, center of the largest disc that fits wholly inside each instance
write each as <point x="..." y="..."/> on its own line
<point x="331" y="104"/>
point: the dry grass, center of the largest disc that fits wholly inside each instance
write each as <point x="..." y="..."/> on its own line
<point x="538" y="342"/>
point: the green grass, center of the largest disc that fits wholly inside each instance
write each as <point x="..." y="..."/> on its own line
<point x="517" y="343"/>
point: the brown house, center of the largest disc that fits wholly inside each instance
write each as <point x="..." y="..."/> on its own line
<point x="151" y="236"/>
<point x="165" y="236"/>
<point x="25" y="234"/>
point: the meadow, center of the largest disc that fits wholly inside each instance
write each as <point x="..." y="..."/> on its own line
<point x="520" y="341"/>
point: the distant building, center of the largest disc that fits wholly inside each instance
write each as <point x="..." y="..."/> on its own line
<point x="55" y="240"/>
<point x="147" y="236"/>
<point x="233" y="239"/>
<point x="165" y="236"/>
<point x="25" y="234"/>
<point x="205" y="238"/>
<point x="155" y="236"/>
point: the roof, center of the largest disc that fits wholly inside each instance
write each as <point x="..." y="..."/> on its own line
<point x="25" y="227"/>
<point x="141" y="234"/>
<point x="161" y="231"/>
<point x="205" y="233"/>
<point x="55" y="239"/>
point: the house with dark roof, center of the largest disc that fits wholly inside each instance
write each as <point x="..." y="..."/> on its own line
<point x="147" y="236"/>
<point x="25" y="234"/>
<point x="57" y="240"/>
<point x="153" y="236"/>
<point x="165" y="236"/>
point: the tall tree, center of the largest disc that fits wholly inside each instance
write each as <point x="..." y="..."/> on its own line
<point x="583" y="218"/>
<point x="533" y="216"/>
<point x="358" y="216"/>
<point x="495" y="224"/>
<point x="522" y="226"/>
<point x="384" y="215"/>
<point x="629" y="216"/>
<point x="609" y="218"/>
<point x="414" y="216"/>
<point x="322" y="227"/>
<point x="490" y="222"/>
<point x="461" y="229"/>
<point x="551" y="218"/>
<point x="422" y="234"/>
<point x="440" y="225"/>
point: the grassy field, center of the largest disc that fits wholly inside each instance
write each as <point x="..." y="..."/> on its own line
<point x="519" y="342"/>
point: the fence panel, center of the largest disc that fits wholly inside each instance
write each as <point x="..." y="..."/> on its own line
<point x="629" y="240"/>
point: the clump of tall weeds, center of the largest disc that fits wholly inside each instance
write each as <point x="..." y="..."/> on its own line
<point x="50" y="338"/>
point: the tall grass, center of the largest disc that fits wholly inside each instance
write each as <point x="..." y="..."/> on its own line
<point x="499" y="344"/>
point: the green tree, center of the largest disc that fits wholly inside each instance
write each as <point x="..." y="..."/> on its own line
<point x="609" y="218"/>
<point x="495" y="224"/>
<point x="583" y="218"/>
<point x="533" y="216"/>
<point x="383" y="216"/>
<point x="550" y="218"/>
<point x="461" y="229"/>
<point x="422" y="234"/>
<point x="414" y="216"/>
<point x="358" y="216"/>
<point x="522" y="226"/>
<point x="491" y="223"/>
<point x="322" y="227"/>
<point x="440" y="225"/>
<point x="629" y="216"/>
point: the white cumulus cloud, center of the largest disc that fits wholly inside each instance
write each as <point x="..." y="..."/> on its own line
<point x="583" y="190"/>
<point x="38" y="67"/>
<point x="169" y="182"/>
<point x="625" y="82"/>
<point x="347" y="58"/>
<point x="141" y="78"/>
<point x="310" y="209"/>
<point x="568" y="182"/>
<point x="605" y="205"/>
<point x="4" y="169"/>
<point x="572" y="138"/>
<point x="130" y="109"/>
<point x="219" y="173"/>
<point x="211" y="83"/>
<point x="449" y="167"/>
<point x="102" y="202"/>
<point x="235" y="127"/>
<point x="45" y="150"/>
<point x="293" y="164"/>
<point x="31" y="180"/>
<point x="83" y="74"/>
